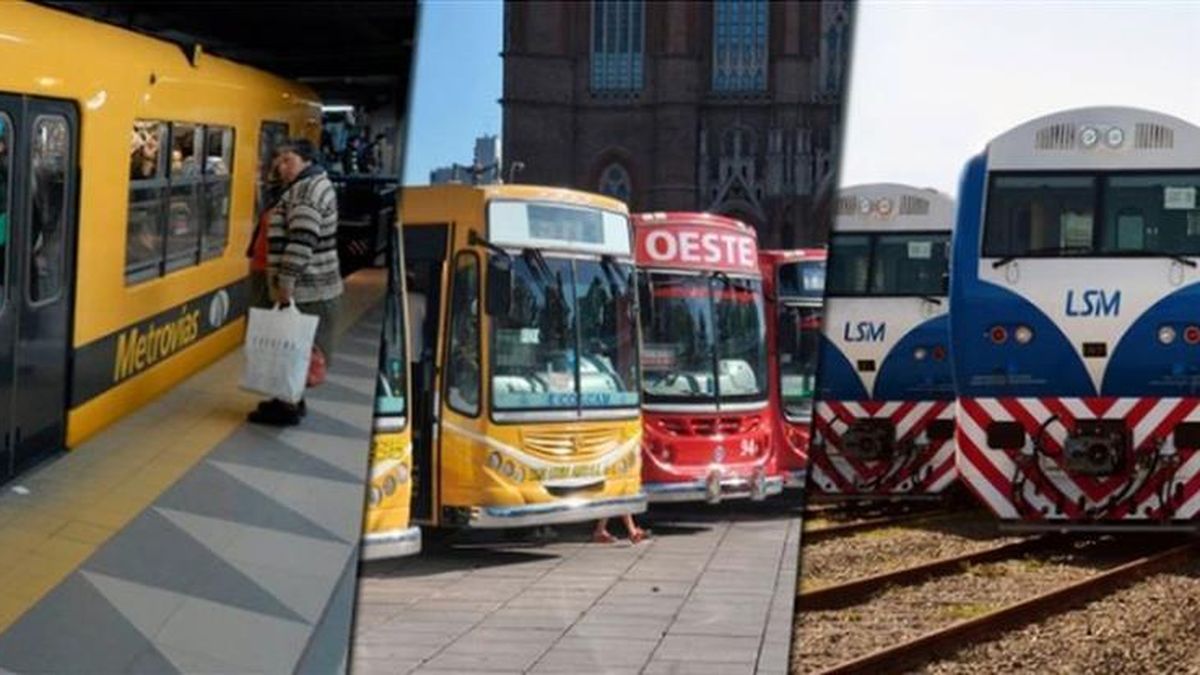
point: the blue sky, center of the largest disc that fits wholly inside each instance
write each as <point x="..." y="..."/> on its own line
<point x="456" y="85"/>
<point x="934" y="81"/>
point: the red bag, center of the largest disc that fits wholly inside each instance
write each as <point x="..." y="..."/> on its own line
<point x="316" y="368"/>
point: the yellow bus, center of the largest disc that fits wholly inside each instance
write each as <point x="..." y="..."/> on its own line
<point x="523" y="312"/>
<point x="387" y="528"/>
<point x="128" y="172"/>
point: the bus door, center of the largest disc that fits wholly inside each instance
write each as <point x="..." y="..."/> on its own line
<point x="424" y="259"/>
<point x="37" y="239"/>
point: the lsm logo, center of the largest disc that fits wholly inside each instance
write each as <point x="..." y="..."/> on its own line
<point x="1093" y="302"/>
<point x="864" y="331"/>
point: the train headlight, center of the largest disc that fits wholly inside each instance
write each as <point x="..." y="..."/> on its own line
<point x="402" y="474"/>
<point x="1023" y="335"/>
<point x="1166" y="335"/>
<point x="919" y="353"/>
<point x="1088" y="136"/>
<point x="493" y="460"/>
<point x="1115" y="137"/>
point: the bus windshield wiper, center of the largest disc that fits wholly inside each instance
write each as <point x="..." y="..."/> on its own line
<point x="537" y="262"/>
<point x="931" y="299"/>
<point x="1042" y="250"/>
<point x="474" y="239"/>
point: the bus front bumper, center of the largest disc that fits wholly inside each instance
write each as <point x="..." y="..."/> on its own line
<point x="574" y="510"/>
<point x="394" y="544"/>
<point x="715" y="488"/>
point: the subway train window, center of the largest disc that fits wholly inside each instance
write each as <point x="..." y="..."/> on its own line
<point x="218" y="159"/>
<point x="147" y="184"/>
<point x="51" y="148"/>
<point x="270" y="136"/>
<point x="178" y="200"/>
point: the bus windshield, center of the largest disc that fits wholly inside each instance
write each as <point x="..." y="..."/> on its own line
<point x="562" y="308"/>
<point x="799" y="332"/>
<point x="892" y="265"/>
<point x="703" y="338"/>
<point x="1103" y="214"/>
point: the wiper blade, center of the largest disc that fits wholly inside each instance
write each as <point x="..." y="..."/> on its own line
<point x="1043" y="250"/>
<point x="931" y="299"/>
<point x="1181" y="259"/>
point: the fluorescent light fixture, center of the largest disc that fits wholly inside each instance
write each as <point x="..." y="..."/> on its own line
<point x="337" y="108"/>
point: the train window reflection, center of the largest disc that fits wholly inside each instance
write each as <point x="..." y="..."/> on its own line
<point x="6" y="144"/>
<point x="51" y="147"/>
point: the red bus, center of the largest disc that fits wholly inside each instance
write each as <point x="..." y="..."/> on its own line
<point x="706" y="423"/>
<point x="794" y="282"/>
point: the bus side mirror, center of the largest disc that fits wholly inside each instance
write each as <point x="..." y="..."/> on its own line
<point x="499" y="286"/>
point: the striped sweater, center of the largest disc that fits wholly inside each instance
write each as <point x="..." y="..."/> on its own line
<point x="302" y="239"/>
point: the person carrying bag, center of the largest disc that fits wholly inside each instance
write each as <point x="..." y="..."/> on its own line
<point x="304" y="279"/>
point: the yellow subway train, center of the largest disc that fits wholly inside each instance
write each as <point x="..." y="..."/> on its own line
<point x="130" y="175"/>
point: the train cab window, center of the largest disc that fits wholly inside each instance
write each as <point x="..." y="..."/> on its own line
<point x="1030" y="215"/>
<point x="463" y="373"/>
<point x="848" y="264"/>
<point x="910" y="264"/>
<point x="218" y="157"/>
<point x="50" y="155"/>
<point x="6" y="144"/>
<point x="1147" y="214"/>
<point x="184" y="208"/>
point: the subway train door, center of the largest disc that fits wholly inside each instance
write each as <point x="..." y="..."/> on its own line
<point x="40" y="259"/>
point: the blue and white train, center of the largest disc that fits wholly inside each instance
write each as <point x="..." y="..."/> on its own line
<point x="1075" y="321"/>
<point x="884" y="418"/>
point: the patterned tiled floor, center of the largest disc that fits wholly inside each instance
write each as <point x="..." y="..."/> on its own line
<point x="711" y="593"/>
<point x="245" y="563"/>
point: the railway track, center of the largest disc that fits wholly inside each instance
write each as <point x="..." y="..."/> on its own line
<point x="945" y="640"/>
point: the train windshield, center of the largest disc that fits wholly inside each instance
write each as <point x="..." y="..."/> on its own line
<point x="799" y="332"/>
<point x="893" y="265"/>
<point x="703" y="338"/>
<point x="569" y="340"/>
<point x="1108" y="214"/>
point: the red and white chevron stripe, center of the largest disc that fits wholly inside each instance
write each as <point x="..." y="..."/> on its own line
<point x="928" y="470"/>
<point x="1161" y="484"/>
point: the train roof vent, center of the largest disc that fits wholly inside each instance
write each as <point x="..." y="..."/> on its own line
<point x="1153" y="137"/>
<point x="847" y="206"/>
<point x="1056" y="137"/>
<point x="913" y="206"/>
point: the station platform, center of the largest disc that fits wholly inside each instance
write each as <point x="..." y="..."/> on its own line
<point x="183" y="539"/>
<point x="711" y="592"/>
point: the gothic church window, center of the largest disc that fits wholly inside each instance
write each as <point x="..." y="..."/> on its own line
<point x="739" y="46"/>
<point x="618" y="45"/>
<point x="615" y="182"/>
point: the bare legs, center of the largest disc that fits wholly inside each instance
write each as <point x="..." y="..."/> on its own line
<point x="601" y="535"/>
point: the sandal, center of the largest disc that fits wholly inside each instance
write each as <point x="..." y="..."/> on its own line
<point x="639" y="536"/>
<point x="603" y="538"/>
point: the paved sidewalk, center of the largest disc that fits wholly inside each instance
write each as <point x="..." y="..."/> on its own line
<point x="711" y="593"/>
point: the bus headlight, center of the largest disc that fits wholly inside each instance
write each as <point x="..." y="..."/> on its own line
<point x="389" y="486"/>
<point x="374" y="496"/>
<point x="1166" y="335"/>
<point x="1115" y="137"/>
<point x="402" y="474"/>
<point x="919" y="353"/>
<point x="1023" y="335"/>
<point x="1191" y="335"/>
<point x="1088" y="136"/>
<point x="493" y="461"/>
<point x="998" y="334"/>
<point x="518" y="474"/>
<point x="508" y="469"/>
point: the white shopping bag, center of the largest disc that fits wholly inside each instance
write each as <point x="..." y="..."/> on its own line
<point x="278" y="346"/>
